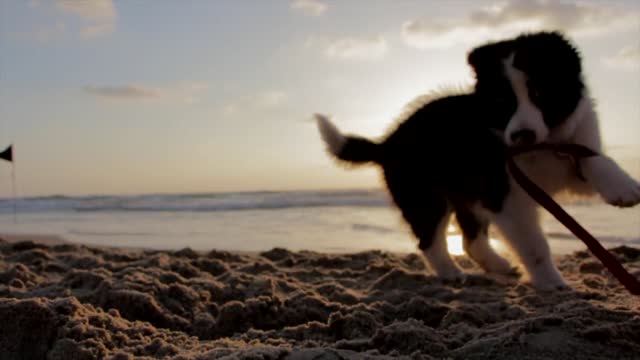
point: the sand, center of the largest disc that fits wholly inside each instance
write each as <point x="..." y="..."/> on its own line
<point x="68" y="301"/>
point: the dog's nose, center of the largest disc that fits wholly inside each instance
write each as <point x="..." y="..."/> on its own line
<point x="523" y="137"/>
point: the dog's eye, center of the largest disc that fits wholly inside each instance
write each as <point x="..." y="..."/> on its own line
<point x="534" y="94"/>
<point x="534" y="91"/>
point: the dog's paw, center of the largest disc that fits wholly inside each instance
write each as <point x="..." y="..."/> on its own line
<point x="614" y="185"/>
<point x="548" y="280"/>
<point x="499" y="265"/>
<point x="621" y="191"/>
<point x="551" y="287"/>
<point x="442" y="265"/>
<point x="449" y="273"/>
<point x="487" y="258"/>
<point x="453" y="276"/>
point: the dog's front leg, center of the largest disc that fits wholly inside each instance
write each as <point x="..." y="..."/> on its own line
<point x="601" y="172"/>
<point x="611" y="181"/>
<point x="518" y="222"/>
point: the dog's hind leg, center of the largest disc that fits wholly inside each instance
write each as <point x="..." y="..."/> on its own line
<point x="428" y="216"/>
<point x="519" y="223"/>
<point x="475" y="237"/>
<point x="430" y="229"/>
<point x="433" y="243"/>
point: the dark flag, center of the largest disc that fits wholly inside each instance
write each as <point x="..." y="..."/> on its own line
<point x="7" y="154"/>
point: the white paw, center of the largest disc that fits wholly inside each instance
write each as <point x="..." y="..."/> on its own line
<point x="616" y="186"/>
<point x="548" y="279"/>
<point x="499" y="265"/>
<point x="441" y="263"/>
<point x="451" y="274"/>
<point x="488" y="259"/>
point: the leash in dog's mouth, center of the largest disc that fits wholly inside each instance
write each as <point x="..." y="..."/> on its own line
<point x="576" y="152"/>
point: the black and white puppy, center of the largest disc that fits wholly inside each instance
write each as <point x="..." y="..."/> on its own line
<point x="448" y="155"/>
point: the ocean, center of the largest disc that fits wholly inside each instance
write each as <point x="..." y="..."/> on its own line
<point x="327" y="221"/>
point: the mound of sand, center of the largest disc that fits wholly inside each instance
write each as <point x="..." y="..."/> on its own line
<point x="76" y="302"/>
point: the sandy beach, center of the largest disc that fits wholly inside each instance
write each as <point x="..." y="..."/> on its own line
<point x="69" y="301"/>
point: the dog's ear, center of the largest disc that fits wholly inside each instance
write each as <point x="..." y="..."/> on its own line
<point x="490" y="56"/>
<point x="548" y="52"/>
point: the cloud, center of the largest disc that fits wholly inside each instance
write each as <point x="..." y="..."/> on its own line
<point x="230" y="109"/>
<point x="309" y="7"/>
<point x="124" y="92"/>
<point x="628" y="58"/>
<point x="47" y="32"/>
<point x="186" y="92"/>
<point x="515" y="16"/>
<point x="93" y="10"/>
<point x="99" y="16"/>
<point x="357" y="49"/>
<point x="270" y="99"/>
<point x="96" y="30"/>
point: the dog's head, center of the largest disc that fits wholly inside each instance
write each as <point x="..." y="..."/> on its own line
<point x="531" y="84"/>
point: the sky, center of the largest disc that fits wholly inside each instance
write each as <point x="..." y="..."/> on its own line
<point x="129" y="97"/>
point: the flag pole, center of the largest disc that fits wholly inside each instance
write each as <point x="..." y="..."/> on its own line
<point x="13" y="188"/>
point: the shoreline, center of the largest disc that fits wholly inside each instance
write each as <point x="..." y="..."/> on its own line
<point x="559" y="245"/>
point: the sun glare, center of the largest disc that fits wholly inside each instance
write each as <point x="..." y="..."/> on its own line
<point x="454" y="241"/>
<point x="454" y="244"/>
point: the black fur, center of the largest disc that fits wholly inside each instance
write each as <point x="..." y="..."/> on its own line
<point x="360" y="150"/>
<point x="442" y="158"/>
<point x="554" y="70"/>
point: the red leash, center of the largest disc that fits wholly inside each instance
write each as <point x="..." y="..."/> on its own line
<point x="576" y="151"/>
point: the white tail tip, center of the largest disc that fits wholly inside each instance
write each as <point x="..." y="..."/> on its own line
<point x="330" y="134"/>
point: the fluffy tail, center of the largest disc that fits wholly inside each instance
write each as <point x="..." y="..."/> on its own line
<point x="352" y="149"/>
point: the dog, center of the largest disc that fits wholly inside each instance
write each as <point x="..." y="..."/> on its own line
<point x="449" y="154"/>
